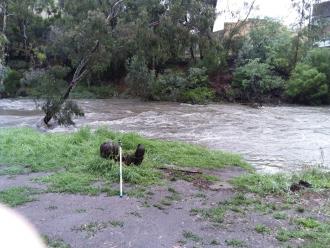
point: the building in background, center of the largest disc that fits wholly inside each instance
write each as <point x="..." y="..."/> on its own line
<point x="321" y="18"/>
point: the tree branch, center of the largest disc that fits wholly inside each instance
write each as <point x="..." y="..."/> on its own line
<point x="77" y="76"/>
<point x="114" y="11"/>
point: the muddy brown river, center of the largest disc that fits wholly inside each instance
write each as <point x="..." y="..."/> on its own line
<point x="271" y="138"/>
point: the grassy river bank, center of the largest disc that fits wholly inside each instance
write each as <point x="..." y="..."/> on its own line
<point x="224" y="194"/>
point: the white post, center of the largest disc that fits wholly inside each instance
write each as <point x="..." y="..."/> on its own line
<point x="121" y="169"/>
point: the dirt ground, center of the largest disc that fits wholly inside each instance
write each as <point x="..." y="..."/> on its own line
<point x="161" y="217"/>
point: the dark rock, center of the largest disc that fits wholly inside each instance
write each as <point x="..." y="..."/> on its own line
<point x="295" y="187"/>
<point x="139" y="154"/>
<point x="300" y="185"/>
<point x="305" y="184"/>
<point x="109" y="150"/>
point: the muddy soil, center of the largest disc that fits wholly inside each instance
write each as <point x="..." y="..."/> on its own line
<point x="161" y="217"/>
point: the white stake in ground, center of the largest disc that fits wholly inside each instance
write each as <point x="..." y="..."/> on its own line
<point x="121" y="169"/>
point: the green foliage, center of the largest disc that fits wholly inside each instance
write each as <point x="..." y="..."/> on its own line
<point x="12" y="82"/>
<point x="201" y="95"/>
<point x="215" y="60"/>
<point x="140" y="43"/>
<point x="93" y="92"/>
<point x="270" y="42"/>
<point x="139" y="77"/>
<point x="320" y="59"/>
<point x="65" y="112"/>
<point x="149" y="34"/>
<point x="310" y="81"/>
<point x="48" y="88"/>
<point x="169" y="86"/>
<point x="255" y="80"/>
<point x="3" y="74"/>
<point x="177" y="86"/>
<point x="307" y="85"/>
<point x="197" y="77"/>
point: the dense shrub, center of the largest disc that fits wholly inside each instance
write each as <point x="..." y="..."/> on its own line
<point x="201" y="95"/>
<point x="169" y="86"/>
<point x="320" y="59"/>
<point x="270" y="42"/>
<point x="307" y="85"/>
<point x="12" y="82"/>
<point x="215" y="60"/>
<point x="92" y="92"/>
<point x="139" y="77"/>
<point x="197" y="77"/>
<point x="43" y="84"/>
<point x="177" y="86"/>
<point x="59" y="72"/>
<point x="255" y="80"/>
<point x="3" y="74"/>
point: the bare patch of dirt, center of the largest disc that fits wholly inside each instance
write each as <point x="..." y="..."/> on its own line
<point x="156" y="216"/>
<point x="24" y="180"/>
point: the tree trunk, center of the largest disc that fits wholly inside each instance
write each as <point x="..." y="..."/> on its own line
<point x="80" y="72"/>
<point x="49" y="115"/>
<point x="296" y="50"/>
<point x="192" y="53"/>
<point x="3" y="48"/>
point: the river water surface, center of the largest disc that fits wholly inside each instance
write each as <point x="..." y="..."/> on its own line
<point x="270" y="138"/>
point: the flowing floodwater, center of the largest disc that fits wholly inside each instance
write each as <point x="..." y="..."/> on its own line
<point x="270" y="138"/>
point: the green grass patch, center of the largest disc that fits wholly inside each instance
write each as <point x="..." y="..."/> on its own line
<point x="217" y="214"/>
<point x="45" y="151"/>
<point x="14" y="170"/>
<point x="191" y="236"/>
<point x="71" y="182"/>
<point x="260" y="228"/>
<point x="307" y="222"/>
<point x="91" y="228"/>
<point x="316" y="234"/>
<point x="94" y="92"/>
<point x="266" y="184"/>
<point x="55" y="243"/>
<point x="17" y="196"/>
<point x="280" y="216"/>
<point x="235" y="243"/>
<point x="78" y="154"/>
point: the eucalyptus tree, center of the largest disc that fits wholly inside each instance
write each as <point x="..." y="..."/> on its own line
<point x="80" y="40"/>
<point x="305" y="30"/>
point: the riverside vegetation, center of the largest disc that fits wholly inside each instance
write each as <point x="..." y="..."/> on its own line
<point x="158" y="50"/>
<point x="73" y="166"/>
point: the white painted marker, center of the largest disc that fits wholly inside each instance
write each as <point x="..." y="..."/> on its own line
<point x="121" y="169"/>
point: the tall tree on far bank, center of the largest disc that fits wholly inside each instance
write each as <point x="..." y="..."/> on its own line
<point x="304" y="16"/>
<point x="3" y="41"/>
